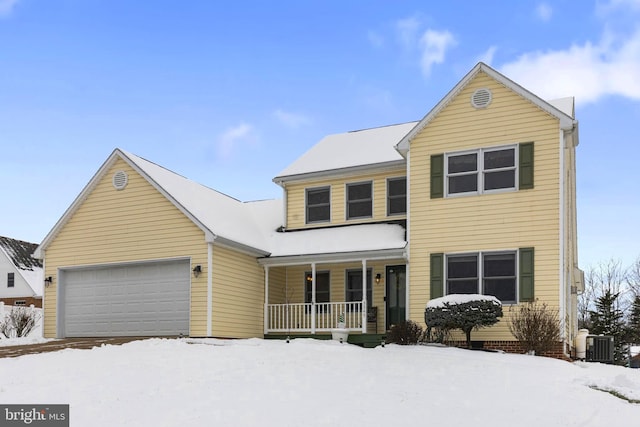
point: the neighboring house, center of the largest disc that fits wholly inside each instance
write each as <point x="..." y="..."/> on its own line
<point x="21" y="275"/>
<point x="477" y="197"/>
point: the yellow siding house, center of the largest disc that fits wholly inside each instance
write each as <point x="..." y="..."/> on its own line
<point x="477" y="197"/>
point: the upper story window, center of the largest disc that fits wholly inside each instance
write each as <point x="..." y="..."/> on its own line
<point x="359" y="200"/>
<point x="480" y="171"/>
<point x="483" y="273"/>
<point x="318" y="204"/>
<point x="396" y="196"/>
<point x="10" y="280"/>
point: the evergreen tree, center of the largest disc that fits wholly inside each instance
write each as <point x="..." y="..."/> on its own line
<point x="608" y="319"/>
<point x="633" y="326"/>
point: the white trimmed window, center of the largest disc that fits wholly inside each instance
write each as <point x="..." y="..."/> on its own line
<point x="322" y="287"/>
<point x="481" y="171"/>
<point x="396" y="196"/>
<point x="11" y="280"/>
<point x="318" y="204"/>
<point x="360" y="200"/>
<point x="353" y="291"/>
<point x="486" y="273"/>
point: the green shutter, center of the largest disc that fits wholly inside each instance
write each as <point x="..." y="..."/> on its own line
<point x="526" y="166"/>
<point x="526" y="278"/>
<point x="437" y="176"/>
<point x="437" y="276"/>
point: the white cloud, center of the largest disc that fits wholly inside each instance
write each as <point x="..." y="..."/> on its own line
<point x="433" y="45"/>
<point x="544" y="12"/>
<point x="487" y="56"/>
<point x="588" y="71"/>
<point x="407" y="30"/>
<point x="233" y="138"/>
<point x="291" y="120"/>
<point x="6" y="6"/>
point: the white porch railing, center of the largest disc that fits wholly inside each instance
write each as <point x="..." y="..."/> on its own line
<point x="299" y="317"/>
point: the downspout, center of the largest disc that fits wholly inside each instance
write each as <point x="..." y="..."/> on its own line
<point x="210" y="285"/>
<point x="408" y="251"/>
<point x="563" y="232"/>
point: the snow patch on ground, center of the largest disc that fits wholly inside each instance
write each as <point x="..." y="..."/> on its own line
<point x="203" y="382"/>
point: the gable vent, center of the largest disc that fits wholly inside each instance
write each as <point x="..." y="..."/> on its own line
<point x="481" y="98"/>
<point x="120" y="180"/>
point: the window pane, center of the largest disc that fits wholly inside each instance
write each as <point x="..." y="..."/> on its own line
<point x="499" y="272"/>
<point x="463" y="163"/>
<point x="322" y="287"/>
<point x="359" y="191"/>
<point x="499" y="159"/>
<point x="503" y="289"/>
<point x="462" y="287"/>
<point x="459" y="267"/>
<point x="496" y="265"/>
<point x="502" y="179"/>
<point x="397" y="187"/>
<point x="359" y="209"/>
<point x="318" y="213"/>
<point x="463" y="184"/>
<point x="398" y="205"/>
<point x="354" y="286"/>
<point x="315" y="197"/>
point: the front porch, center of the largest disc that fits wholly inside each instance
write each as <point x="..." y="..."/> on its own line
<point x="312" y="294"/>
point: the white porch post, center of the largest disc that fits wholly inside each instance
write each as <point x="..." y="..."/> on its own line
<point x="364" y="296"/>
<point x="313" y="297"/>
<point x="266" y="299"/>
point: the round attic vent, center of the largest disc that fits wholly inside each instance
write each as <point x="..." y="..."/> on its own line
<point x="120" y="180"/>
<point x="481" y="98"/>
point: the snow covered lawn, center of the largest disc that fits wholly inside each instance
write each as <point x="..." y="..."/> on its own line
<point x="162" y="382"/>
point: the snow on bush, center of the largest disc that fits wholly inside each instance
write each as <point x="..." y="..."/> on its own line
<point x="466" y="312"/>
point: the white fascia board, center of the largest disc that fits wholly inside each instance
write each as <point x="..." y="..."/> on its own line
<point x="337" y="173"/>
<point x="333" y="257"/>
<point x="248" y="250"/>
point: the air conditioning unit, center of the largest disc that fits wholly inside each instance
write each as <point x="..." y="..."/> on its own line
<point x="599" y="348"/>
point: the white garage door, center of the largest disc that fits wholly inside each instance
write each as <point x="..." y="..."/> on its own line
<point x="145" y="299"/>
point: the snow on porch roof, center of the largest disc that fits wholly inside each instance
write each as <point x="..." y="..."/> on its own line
<point x="350" y="149"/>
<point x="338" y="240"/>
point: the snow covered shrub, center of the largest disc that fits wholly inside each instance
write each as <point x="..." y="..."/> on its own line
<point x="405" y="333"/>
<point x="19" y="322"/>
<point x="535" y="327"/>
<point x="465" y="312"/>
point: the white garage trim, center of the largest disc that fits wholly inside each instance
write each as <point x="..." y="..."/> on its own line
<point x="141" y="298"/>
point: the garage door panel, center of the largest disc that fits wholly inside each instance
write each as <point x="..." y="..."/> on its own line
<point x="146" y="299"/>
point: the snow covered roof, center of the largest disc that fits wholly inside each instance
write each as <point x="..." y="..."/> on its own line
<point x="351" y="149"/>
<point x="334" y="240"/>
<point x="20" y="253"/>
<point x="224" y="216"/>
<point x="250" y="226"/>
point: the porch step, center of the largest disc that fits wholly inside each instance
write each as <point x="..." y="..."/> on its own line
<point x="362" y="340"/>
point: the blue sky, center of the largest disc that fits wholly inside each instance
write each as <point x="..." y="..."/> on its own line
<point x="229" y="93"/>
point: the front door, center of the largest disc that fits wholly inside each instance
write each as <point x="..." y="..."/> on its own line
<point x="396" y="294"/>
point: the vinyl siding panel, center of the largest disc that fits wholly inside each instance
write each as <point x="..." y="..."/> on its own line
<point x="499" y="221"/>
<point x="137" y="223"/>
<point x="296" y="203"/>
<point x="238" y="294"/>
